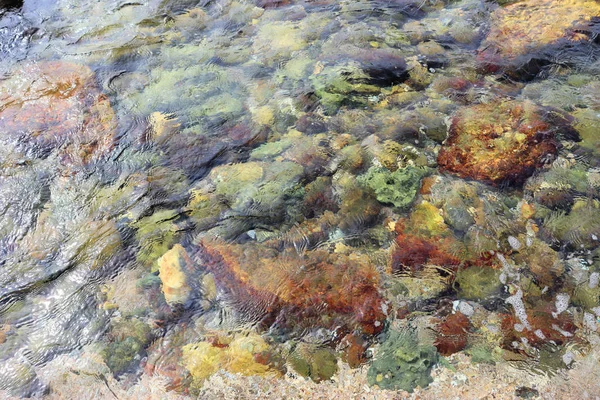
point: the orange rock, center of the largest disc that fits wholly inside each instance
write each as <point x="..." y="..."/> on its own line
<point x="525" y="36"/>
<point x="452" y="334"/>
<point x="298" y="291"/>
<point x="57" y="106"/>
<point x="527" y="210"/>
<point x="354" y="348"/>
<point x="414" y="253"/>
<point x="502" y="142"/>
<point x="173" y="266"/>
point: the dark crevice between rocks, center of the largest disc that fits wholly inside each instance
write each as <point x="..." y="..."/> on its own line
<point x="10" y="4"/>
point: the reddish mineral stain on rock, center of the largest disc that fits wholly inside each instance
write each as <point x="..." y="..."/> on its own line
<point x="424" y="239"/>
<point x="57" y="106"/>
<point x="544" y="327"/>
<point x="315" y="289"/>
<point x="452" y="334"/>
<point x="502" y="142"/>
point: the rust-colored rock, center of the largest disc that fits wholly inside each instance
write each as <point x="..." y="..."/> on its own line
<point x="57" y="106"/>
<point x="297" y="291"/>
<point x="425" y="240"/>
<point x="354" y="348"/>
<point x="452" y="334"/>
<point x="502" y="142"/>
<point x="544" y="327"/>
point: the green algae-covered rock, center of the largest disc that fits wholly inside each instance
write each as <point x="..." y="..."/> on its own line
<point x="318" y="364"/>
<point x="256" y="187"/>
<point x="359" y="206"/>
<point x="484" y="353"/>
<point x="343" y="85"/>
<point x="402" y="363"/>
<point x="128" y="339"/>
<point x="588" y="127"/>
<point x="234" y="196"/>
<point x="580" y="227"/>
<point x="120" y="355"/>
<point x="398" y="188"/>
<point x="156" y="234"/>
<point x="586" y="295"/>
<point x="478" y="283"/>
<point x="271" y="149"/>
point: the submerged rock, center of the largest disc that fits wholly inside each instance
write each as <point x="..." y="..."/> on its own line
<point x="525" y="37"/>
<point x="536" y="326"/>
<point x="343" y="85"/>
<point x="295" y="292"/>
<point x="127" y="339"/>
<point x="425" y="240"/>
<point x="402" y="363"/>
<point x="452" y="333"/>
<point x="504" y="142"/>
<point x="238" y="197"/>
<point x="478" y="283"/>
<point x="172" y="268"/>
<point x="316" y="363"/>
<point x="588" y="127"/>
<point x="56" y="106"/>
<point x="240" y="354"/>
<point x="398" y="188"/>
<point x="578" y="228"/>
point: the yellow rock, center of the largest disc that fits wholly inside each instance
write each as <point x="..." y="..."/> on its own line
<point x="162" y="124"/>
<point x="428" y="220"/>
<point x="430" y="48"/>
<point x="528" y="25"/>
<point x="172" y="266"/>
<point x="527" y="210"/>
<point x="210" y="287"/>
<point x="203" y="359"/>
<point x="279" y="38"/>
<point x="264" y="115"/>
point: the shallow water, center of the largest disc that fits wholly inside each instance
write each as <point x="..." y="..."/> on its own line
<point x="279" y="188"/>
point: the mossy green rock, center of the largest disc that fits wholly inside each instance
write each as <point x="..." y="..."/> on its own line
<point x="478" y="283"/>
<point x="271" y="150"/>
<point x="484" y="354"/>
<point x="318" y="364"/>
<point x="343" y="85"/>
<point x="255" y="186"/>
<point x="578" y="228"/>
<point x="156" y="234"/>
<point x="398" y="188"/>
<point x="129" y="339"/>
<point x="588" y="127"/>
<point x="402" y="363"/>
<point x="586" y="296"/>
<point x="120" y="355"/>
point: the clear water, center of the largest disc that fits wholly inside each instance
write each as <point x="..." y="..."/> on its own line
<point x="285" y="187"/>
